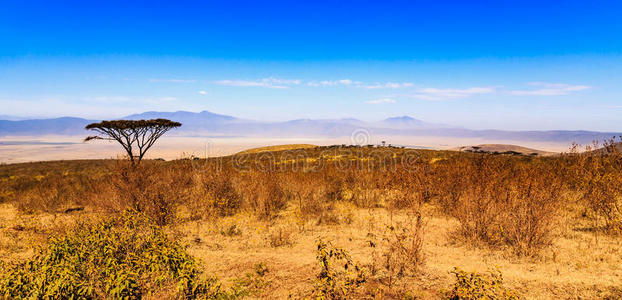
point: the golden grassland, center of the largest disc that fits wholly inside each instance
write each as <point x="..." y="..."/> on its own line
<point x="277" y="148"/>
<point x="282" y="224"/>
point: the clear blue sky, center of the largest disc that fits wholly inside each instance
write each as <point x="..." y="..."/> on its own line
<point x="478" y="64"/>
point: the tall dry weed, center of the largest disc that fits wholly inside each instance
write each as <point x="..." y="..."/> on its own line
<point x="508" y="202"/>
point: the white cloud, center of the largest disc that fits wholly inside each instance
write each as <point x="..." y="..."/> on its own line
<point x="346" y="82"/>
<point x="273" y="83"/>
<point x="337" y="82"/>
<point x="246" y="83"/>
<point x="203" y="92"/>
<point x="387" y="85"/>
<point x="329" y="83"/>
<point x="359" y="84"/>
<point x="550" y="89"/>
<point x="381" y="101"/>
<point x="435" y="94"/>
<point x="172" y="80"/>
<point x="283" y="81"/>
<point x="277" y="83"/>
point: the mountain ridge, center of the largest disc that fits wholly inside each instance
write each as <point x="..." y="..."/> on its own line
<point x="206" y="122"/>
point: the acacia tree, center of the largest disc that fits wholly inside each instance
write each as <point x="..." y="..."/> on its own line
<point x="136" y="136"/>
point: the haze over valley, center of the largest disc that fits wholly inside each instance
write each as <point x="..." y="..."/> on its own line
<point x="210" y="134"/>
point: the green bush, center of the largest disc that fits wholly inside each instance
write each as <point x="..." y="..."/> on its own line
<point x="124" y="257"/>
<point x="470" y="285"/>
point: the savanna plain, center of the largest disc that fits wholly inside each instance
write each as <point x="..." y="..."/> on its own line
<point x="329" y="222"/>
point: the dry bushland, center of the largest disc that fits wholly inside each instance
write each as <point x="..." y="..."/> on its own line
<point x="519" y="206"/>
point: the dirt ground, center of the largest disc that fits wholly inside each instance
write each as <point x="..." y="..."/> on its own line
<point x="579" y="265"/>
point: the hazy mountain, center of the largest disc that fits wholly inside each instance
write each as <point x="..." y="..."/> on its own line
<point x="404" y="122"/>
<point x="189" y="117"/>
<point x="407" y="122"/>
<point x="212" y="124"/>
<point x="192" y="122"/>
<point x="11" y="118"/>
<point x="59" y="126"/>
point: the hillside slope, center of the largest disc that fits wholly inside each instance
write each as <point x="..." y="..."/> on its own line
<point x="277" y="148"/>
<point x="503" y="148"/>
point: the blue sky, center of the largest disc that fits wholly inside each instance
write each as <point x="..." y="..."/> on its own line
<point x="479" y="64"/>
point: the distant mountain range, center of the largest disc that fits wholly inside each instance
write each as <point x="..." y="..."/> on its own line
<point x="207" y="123"/>
<point x="406" y="122"/>
<point x="11" y="118"/>
<point x="59" y="126"/>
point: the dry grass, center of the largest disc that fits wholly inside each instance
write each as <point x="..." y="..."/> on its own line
<point x="406" y="218"/>
<point x="579" y="264"/>
<point x="576" y="266"/>
<point x="276" y="148"/>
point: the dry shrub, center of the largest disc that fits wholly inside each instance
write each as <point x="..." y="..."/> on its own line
<point x="318" y="200"/>
<point x="48" y="195"/>
<point x="314" y="197"/>
<point x="367" y="197"/>
<point x="6" y="193"/>
<point x="471" y="285"/>
<point x="214" y="195"/>
<point x="231" y="230"/>
<point x="405" y="246"/>
<point x="476" y="209"/>
<point x="339" y="275"/>
<point x="453" y="184"/>
<point x="53" y="191"/>
<point x="328" y="216"/>
<point x="263" y="194"/>
<point x="601" y="186"/>
<point x="420" y="179"/>
<point x="311" y="205"/>
<point x="281" y="236"/>
<point x="400" y="252"/>
<point x="507" y="202"/>
<point x="412" y="186"/>
<point x="400" y="199"/>
<point x="366" y="189"/>
<point x="150" y="188"/>
<point x="314" y="207"/>
<point x="531" y="211"/>
<point x="332" y="185"/>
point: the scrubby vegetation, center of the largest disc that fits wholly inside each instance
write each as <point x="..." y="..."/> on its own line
<point x="123" y="257"/>
<point x="384" y="209"/>
<point x="339" y="276"/>
<point x="470" y="285"/>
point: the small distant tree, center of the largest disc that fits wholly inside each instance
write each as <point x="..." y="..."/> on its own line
<point x="136" y="136"/>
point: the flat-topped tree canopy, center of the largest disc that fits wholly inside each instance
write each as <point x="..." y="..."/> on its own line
<point x="133" y="135"/>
